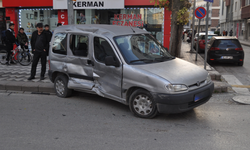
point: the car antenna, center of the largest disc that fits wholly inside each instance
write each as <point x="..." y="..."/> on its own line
<point x="132" y="29"/>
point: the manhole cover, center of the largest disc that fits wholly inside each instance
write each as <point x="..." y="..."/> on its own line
<point x="242" y="99"/>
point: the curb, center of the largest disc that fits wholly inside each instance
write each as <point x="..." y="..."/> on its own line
<point x="27" y="87"/>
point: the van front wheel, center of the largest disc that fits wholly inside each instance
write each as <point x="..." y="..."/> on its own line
<point x="61" y="86"/>
<point x="142" y="104"/>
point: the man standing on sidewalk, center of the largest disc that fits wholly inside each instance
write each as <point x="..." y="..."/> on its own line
<point x="10" y="41"/>
<point x="40" y="46"/>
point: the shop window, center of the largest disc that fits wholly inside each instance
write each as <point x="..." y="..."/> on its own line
<point x="102" y="49"/>
<point x="149" y="19"/>
<point x="60" y="44"/>
<point x="30" y="17"/>
<point x="79" y="45"/>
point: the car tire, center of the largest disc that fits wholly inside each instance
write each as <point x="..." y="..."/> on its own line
<point x="142" y="104"/>
<point x="240" y="63"/>
<point x="61" y="86"/>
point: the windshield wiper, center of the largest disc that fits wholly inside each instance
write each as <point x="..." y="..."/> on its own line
<point x="149" y="60"/>
<point x="164" y="58"/>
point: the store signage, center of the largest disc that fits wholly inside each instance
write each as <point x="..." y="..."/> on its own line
<point x="128" y="20"/>
<point x="89" y="4"/>
<point x="63" y="17"/>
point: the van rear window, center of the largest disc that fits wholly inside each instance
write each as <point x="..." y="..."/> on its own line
<point x="230" y="43"/>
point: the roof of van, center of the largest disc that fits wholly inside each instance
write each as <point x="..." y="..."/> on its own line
<point x="115" y="30"/>
<point x="225" y="37"/>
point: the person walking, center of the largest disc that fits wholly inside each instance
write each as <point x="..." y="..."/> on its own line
<point x="40" y="46"/>
<point x="224" y="33"/>
<point x="10" y="41"/>
<point x="231" y="33"/>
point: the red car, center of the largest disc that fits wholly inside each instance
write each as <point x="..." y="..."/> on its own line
<point x="202" y="42"/>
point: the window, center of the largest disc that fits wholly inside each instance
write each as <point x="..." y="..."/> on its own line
<point x="102" y="49"/>
<point x="79" y="45"/>
<point x="60" y="44"/>
<point x="222" y="8"/>
<point x="235" y="6"/>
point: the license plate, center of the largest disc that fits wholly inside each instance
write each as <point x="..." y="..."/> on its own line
<point x="199" y="96"/>
<point x="226" y="57"/>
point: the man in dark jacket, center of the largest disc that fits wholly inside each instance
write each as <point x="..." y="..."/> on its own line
<point x="22" y="38"/>
<point x="49" y="33"/>
<point x="40" y="46"/>
<point x="10" y="41"/>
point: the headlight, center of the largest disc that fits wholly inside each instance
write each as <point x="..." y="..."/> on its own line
<point x="208" y="80"/>
<point x="176" y="88"/>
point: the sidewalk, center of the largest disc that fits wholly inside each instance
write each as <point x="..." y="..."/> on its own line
<point x="246" y="43"/>
<point x="14" y="77"/>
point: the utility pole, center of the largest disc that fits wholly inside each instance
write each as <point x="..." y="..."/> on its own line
<point x="205" y="61"/>
<point x="192" y="44"/>
<point x="70" y="12"/>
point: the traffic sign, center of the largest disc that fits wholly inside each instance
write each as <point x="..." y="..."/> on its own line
<point x="211" y="1"/>
<point x="200" y="12"/>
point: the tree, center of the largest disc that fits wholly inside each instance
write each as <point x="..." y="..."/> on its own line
<point x="180" y="17"/>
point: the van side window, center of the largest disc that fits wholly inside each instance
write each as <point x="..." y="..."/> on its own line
<point x="60" y="44"/>
<point x="102" y="49"/>
<point x="79" y="45"/>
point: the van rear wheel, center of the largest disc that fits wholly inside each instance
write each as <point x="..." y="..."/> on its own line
<point x="142" y="104"/>
<point x="61" y="86"/>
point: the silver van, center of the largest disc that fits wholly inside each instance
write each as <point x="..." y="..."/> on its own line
<point x="128" y="65"/>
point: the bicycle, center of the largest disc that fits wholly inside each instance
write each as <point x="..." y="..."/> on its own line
<point x="19" y="55"/>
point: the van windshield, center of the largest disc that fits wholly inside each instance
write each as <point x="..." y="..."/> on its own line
<point x="141" y="49"/>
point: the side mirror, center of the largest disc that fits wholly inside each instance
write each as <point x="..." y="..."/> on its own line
<point x="110" y="61"/>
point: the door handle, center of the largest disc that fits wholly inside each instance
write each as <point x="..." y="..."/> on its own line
<point x="89" y="62"/>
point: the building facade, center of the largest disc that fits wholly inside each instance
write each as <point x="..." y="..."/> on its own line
<point x="139" y="13"/>
<point x="231" y="17"/>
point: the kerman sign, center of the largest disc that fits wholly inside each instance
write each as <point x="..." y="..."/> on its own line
<point x="89" y="4"/>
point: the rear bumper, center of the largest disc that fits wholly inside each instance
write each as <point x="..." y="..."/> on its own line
<point x="177" y="103"/>
<point x="50" y="75"/>
<point x="218" y="58"/>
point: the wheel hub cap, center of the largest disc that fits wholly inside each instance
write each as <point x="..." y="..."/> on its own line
<point x="143" y="105"/>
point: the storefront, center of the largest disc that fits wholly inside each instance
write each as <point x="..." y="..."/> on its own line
<point x="2" y="22"/>
<point x="139" y="13"/>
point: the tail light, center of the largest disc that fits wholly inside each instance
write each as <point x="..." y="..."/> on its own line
<point x="239" y="49"/>
<point x="214" y="49"/>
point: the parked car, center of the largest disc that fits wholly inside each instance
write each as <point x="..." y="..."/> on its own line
<point x="196" y="37"/>
<point x="225" y="49"/>
<point x="202" y="43"/>
<point x="128" y="65"/>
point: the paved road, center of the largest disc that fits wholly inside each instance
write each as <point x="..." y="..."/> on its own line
<point x="90" y="122"/>
<point x="236" y="75"/>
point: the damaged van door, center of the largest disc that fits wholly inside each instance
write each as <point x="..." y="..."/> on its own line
<point x="107" y="69"/>
<point x="79" y="64"/>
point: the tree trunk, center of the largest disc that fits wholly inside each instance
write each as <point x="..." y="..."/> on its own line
<point x="176" y="30"/>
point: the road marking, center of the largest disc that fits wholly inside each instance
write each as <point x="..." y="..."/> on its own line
<point x="232" y="80"/>
<point x="241" y="86"/>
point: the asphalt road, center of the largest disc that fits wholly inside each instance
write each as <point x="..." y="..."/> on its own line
<point x="89" y="122"/>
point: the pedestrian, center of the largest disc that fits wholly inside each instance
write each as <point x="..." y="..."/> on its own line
<point x="231" y="33"/>
<point x="226" y="33"/>
<point x="10" y="41"/>
<point x="22" y="38"/>
<point x="40" y="46"/>
<point x="59" y="24"/>
<point x="49" y="34"/>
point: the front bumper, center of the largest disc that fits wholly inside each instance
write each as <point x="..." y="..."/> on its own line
<point x="177" y="103"/>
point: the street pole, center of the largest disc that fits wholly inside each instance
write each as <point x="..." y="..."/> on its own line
<point x="205" y="60"/>
<point x="70" y="12"/>
<point x="197" y="42"/>
<point x="192" y="44"/>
